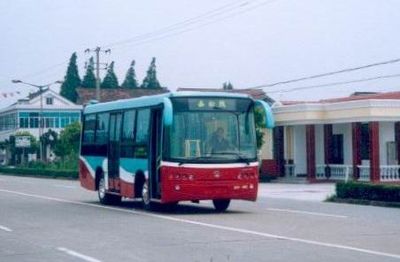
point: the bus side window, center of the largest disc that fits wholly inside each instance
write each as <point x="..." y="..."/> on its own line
<point x="89" y="128"/>
<point x="101" y="138"/>
<point x="142" y="133"/>
<point x="128" y="132"/>
<point x="89" y="125"/>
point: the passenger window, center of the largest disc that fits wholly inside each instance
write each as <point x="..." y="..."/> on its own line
<point x="142" y="131"/>
<point x="89" y="128"/>
<point x="102" y="128"/>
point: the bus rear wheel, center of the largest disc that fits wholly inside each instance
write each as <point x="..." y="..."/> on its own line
<point x="104" y="197"/>
<point x="221" y="205"/>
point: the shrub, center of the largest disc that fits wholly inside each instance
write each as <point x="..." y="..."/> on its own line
<point x="367" y="191"/>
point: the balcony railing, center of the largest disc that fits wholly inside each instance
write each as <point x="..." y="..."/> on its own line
<point x="390" y="173"/>
<point x="337" y="172"/>
<point x="341" y="172"/>
<point x="364" y="173"/>
<point x="320" y="171"/>
<point x="290" y="170"/>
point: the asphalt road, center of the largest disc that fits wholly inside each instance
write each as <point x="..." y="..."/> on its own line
<point x="56" y="220"/>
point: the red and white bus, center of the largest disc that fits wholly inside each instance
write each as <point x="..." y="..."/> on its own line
<point x="184" y="146"/>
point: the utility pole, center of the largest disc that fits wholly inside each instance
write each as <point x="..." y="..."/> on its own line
<point x="97" y="51"/>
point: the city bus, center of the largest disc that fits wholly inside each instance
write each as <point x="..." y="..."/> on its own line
<point x="181" y="146"/>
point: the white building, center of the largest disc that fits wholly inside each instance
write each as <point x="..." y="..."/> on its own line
<point x="355" y="138"/>
<point x="57" y="112"/>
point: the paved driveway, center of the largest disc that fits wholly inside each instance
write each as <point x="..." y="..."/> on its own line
<point x="308" y="192"/>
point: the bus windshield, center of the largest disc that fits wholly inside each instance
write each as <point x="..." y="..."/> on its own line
<point x="211" y="130"/>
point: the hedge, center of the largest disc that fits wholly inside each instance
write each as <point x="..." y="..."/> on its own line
<point x="40" y="172"/>
<point x="366" y="191"/>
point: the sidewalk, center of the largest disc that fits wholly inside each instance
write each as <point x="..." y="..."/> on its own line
<point x="307" y="192"/>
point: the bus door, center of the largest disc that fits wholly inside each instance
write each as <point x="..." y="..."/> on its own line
<point x="114" y="151"/>
<point x="155" y="152"/>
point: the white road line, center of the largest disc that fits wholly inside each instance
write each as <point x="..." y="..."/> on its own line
<point x="64" y="186"/>
<point x="306" y="212"/>
<point x="5" y="228"/>
<point x="226" y="228"/>
<point x="78" y="255"/>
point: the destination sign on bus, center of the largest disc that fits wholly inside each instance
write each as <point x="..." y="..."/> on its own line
<point x="210" y="104"/>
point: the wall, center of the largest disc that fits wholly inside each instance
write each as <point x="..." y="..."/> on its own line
<point x="267" y="147"/>
<point x="300" y="153"/>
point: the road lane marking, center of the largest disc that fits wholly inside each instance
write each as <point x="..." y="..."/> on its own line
<point x="5" y="228"/>
<point x="78" y="255"/>
<point x="226" y="228"/>
<point x="65" y="186"/>
<point x="306" y="212"/>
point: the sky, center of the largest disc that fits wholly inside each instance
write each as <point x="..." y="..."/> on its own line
<point x="248" y="43"/>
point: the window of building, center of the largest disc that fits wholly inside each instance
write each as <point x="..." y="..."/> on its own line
<point x="49" y="100"/>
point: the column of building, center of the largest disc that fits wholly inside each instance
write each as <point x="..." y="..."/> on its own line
<point x="310" y="148"/>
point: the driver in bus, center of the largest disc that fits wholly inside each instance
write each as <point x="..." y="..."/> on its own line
<point x="218" y="143"/>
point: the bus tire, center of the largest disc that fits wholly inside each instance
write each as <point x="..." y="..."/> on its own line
<point x="221" y="205"/>
<point x="104" y="197"/>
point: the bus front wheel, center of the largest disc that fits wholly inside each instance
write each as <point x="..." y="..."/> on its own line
<point x="221" y="205"/>
<point x="104" y="197"/>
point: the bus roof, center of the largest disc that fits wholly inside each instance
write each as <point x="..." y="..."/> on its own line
<point x="146" y="101"/>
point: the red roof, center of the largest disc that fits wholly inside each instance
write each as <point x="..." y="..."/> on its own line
<point x="386" y="95"/>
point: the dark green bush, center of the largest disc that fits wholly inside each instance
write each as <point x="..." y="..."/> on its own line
<point x="367" y="191"/>
<point x="40" y="172"/>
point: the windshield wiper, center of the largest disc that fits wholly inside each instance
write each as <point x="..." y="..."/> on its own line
<point x="240" y="157"/>
<point x="194" y="158"/>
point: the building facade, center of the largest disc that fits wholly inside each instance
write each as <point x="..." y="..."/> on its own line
<point x="24" y="115"/>
<point x="352" y="138"/>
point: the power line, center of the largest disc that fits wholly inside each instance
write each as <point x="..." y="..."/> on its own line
<point x="328" y="74"/>
<point x="209" y="14"/>
<point x="183" y="30"/>
<point x="189" y="21"/>
<point x="333" y="84"/>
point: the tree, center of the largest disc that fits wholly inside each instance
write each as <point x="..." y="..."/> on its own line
<point x="130" y="78"/>
<point x="110" y="80"/>
<point x="89" y="80"/>
<point x="259" y="119"/>
<point x="227" y="86"/>
<point x="150" y="81"/>
<point x="71" y="80"/>
<point x="49" y="141"/>
<point x="67" y="146"/>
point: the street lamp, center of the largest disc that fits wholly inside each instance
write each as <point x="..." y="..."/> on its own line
<point x="41" y="123"/>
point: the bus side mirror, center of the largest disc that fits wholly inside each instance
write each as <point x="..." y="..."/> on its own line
<point x="168" y="112"/>
<point x="269" y="117"/>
